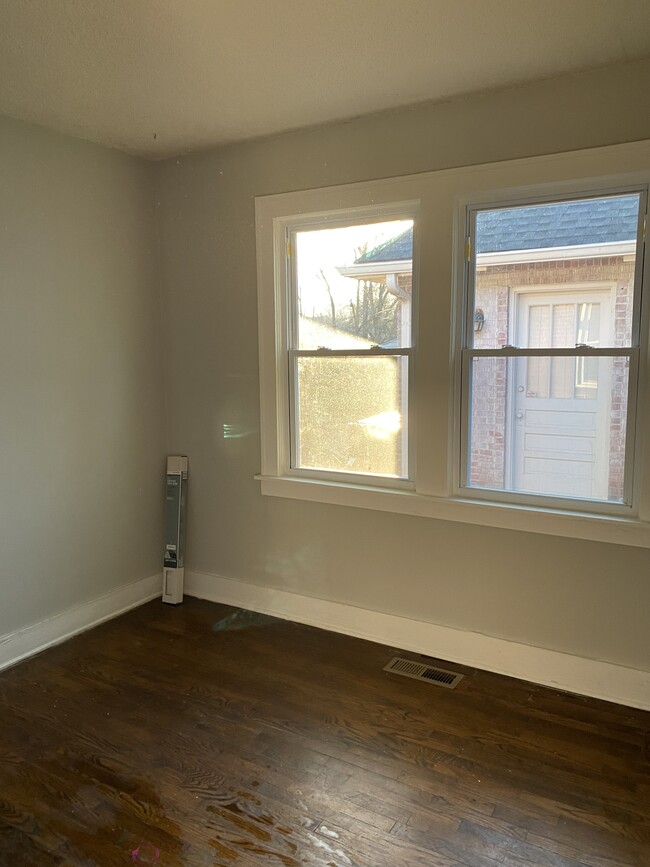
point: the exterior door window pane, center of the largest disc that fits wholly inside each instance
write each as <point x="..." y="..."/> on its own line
<point x="539" y="325"/>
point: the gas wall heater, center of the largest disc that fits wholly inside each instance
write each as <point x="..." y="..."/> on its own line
<point x="175" y="504"/>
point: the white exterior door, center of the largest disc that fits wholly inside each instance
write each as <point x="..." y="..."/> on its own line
<point x="561" y="405"/>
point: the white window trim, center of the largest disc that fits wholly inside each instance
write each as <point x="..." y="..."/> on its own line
<point x="276" y="412"/>
<point x="442" y="196"/>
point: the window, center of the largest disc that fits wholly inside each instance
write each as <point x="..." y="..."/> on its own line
<point x="551" y="348"/>
<point x="488" y="320"/>
<point x="349" y="345"/>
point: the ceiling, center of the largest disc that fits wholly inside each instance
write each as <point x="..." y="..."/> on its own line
<point x="162" y="77"/>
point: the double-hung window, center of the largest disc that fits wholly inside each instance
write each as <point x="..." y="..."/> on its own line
<point x="551" y="349"/>
<point x="350" y="293"/>
<point x="489" y="320"/>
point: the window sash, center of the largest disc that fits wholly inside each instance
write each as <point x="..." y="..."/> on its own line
<point x="528" y="498"/>
<point x="467" y="352"/>
<point x="294" y="447"/>
<point x="335" y="220"/>
<point x="471" y="210"/>
<point x="361" y="216"/>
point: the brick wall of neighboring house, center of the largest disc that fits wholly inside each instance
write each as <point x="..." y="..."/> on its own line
<point x="490" y="386"/>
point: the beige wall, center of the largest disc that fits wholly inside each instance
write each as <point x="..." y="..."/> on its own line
<point x="81" y="412"/>
<point x="581" y="597"/>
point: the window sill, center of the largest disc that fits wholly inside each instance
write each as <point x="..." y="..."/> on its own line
<point x="575" y="525"/>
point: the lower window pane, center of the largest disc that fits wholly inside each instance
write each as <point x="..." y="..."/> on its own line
<point x="352" y="415"/>
<point x="552" y="426"/>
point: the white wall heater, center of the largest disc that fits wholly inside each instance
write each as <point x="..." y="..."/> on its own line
<point x="175" y="505"/>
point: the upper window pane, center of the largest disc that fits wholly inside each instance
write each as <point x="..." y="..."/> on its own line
<point x="354" y="286"/>
<point x="580" y="253"/>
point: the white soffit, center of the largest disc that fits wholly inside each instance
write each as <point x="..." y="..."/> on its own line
<point x="160" y="77"/>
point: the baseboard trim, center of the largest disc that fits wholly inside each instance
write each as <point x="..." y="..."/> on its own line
<point x="562" y="671"/>
<point x="25" y="642"/>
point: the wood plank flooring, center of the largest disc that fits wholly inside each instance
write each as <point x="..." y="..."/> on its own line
<point x="202" y="735"/>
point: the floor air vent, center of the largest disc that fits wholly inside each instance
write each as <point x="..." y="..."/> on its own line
<point x="418" y="671"/>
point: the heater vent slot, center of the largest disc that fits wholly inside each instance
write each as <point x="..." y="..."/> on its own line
<point x="419" y="671"/>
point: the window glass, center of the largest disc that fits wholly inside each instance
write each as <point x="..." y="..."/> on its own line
<point x="578" y="243"/>
<point x="354" y="286"/>
<point x="548" y="277"/>
<point x="528" y="383"/>
<point x="352" y="414"/>
<point x="351" y="335"/>
<point x="563" y="446"/>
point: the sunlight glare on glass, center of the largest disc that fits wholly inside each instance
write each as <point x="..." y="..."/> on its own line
<point x="383" y="425"/>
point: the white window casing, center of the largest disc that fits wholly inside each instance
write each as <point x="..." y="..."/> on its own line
<point x="439" y="202"/>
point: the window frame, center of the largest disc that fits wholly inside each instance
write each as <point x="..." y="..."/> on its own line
<point x="290" y="228"/>
<point x="284" y="231"/>
<point x="440" y="199"/>
<point x="637" y="348"/>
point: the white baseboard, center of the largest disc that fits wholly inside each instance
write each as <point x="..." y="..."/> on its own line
<point x="32" y="639"/>
<point x="561" y="671"/>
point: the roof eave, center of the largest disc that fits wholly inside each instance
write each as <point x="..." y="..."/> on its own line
<point x="370" y="270"/>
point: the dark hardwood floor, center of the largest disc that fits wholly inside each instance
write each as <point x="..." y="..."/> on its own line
<point x="190" y="735"/>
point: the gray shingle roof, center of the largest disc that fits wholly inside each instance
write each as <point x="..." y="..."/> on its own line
<point x="563" y="224"/>
<point x="400" y="247"/>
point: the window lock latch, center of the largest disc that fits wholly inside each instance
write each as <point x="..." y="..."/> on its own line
<point x="583" y="346"/>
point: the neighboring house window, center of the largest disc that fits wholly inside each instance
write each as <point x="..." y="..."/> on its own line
<point x="550" y="356"/>
<point x="487" y="320"/>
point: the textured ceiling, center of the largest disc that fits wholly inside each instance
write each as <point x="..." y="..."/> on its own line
<point x="160" y="77"/>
